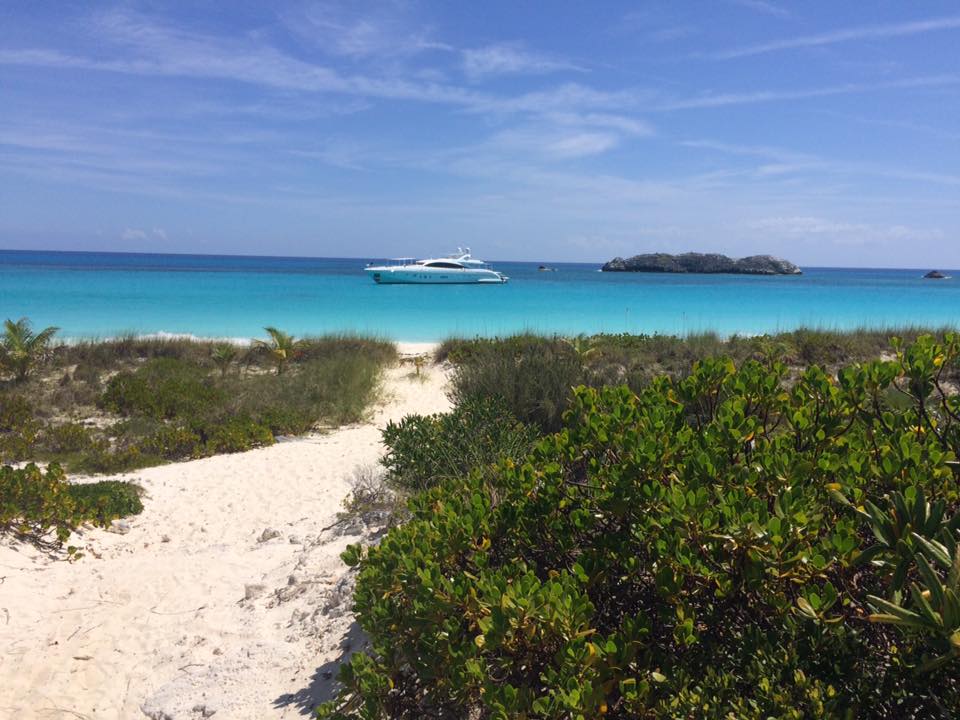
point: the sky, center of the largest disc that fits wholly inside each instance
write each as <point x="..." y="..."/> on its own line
<point x="827" y="133"/>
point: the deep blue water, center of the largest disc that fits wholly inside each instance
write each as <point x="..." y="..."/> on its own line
<point x="103" y="294"/>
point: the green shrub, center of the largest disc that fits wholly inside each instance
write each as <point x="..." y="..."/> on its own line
<point x="86" y="374"/>
<point x="66" y="438"/>
<point x="425" y="450"/>
<point x="236" y="435"/>
<point x="102" y="458"/>
<point x="728" y="545"/>
<point x="103" y="501"/>
<point x="35" y="503"/>
<point x="636" y="360"/>
<point x="15" y="412"/>
<point x="19" y="430"/>
<point x="161" y="388"/>
<point x="41" y="507"/>
<point x="172" y="443"/>
<point x="530" y="375"/>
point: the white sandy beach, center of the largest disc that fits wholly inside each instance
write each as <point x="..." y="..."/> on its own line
<point x="190" y="614"/>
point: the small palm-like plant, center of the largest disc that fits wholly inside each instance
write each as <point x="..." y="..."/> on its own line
<point x="281" y="347"/>
<point x="584" y="348"/>
<point x="223" y="356"/>
<point x="21" y="348"/>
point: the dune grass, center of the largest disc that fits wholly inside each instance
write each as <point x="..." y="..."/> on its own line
<point x="128" y="402"/>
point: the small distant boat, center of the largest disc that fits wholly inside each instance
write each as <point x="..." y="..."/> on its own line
<point x="457" y="268"/>
<point x="544" y="268"/>
<point x="935" y="275"/>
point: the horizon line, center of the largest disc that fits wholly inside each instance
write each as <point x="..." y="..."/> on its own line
<point x="377" y="257"/>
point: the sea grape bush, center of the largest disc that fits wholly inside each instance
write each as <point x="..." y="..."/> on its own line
<point x="34" y="503"/>
<point x="423" y="450"/>
<point x="728" y="545"/>
<point x="41" y="507"/>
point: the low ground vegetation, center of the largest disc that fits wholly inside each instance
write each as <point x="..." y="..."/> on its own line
<point x="101" y="407"/>
<point x="133" y="402"/>
<point x="425" y="450"/>
<point x="533" y="374"/>
<point x="41" y="507"/>
<point x="736" y="539"/>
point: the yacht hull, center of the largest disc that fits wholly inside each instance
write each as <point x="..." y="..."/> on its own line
<point x="434" y="276"/>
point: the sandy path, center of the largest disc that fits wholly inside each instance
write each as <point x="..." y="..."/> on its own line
<point x="154" y="623"/>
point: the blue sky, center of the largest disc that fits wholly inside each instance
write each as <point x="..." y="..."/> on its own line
<point x="825" y="132"/>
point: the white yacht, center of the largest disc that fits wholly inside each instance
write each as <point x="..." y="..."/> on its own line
<point x="459" y="267"/>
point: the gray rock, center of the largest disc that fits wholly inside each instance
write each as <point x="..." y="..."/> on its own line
<point x="268" y="534"/>
<point x="702" y="263"/>
<point x="155" y="713"/>
<point x="204" y="710"/>
<point x="253" y="591"/>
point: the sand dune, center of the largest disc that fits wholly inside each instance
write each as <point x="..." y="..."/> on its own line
<point x="192" y="613"/>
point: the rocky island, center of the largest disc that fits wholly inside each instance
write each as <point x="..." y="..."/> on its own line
<point x="702" y="263"/>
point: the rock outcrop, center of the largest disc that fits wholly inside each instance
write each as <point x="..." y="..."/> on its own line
<point x="703" y="263"/>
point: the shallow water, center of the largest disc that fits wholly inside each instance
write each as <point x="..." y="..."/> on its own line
<point x="104" y="294"/>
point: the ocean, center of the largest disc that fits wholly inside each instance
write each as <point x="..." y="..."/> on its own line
<point x="99" y="295"/>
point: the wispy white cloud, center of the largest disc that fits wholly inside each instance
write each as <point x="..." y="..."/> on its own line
<point x="912" y="127"/>
<point x="671" y="33"/>
<point x="568" y="97"/>
<point x="765" y="7"/>
<point x="139" y="234"/>
<point x="790" y="162"/>
<point x="842" y="232"/>
<point x="133" y="234"/>
<point x="864" y="32"/>
<point x="533" y="143"/>
<point x="341" y="153"/>
<point x="154" y="49"/>
<point x="357" y="32"/>
<point x="765" y="96"/>
<point x="657" y="23"/>
<point x="505" y="59"/>
<point x="763" y="151"/>
<point x="622" y="123"/>
<point x="582" y="144"/>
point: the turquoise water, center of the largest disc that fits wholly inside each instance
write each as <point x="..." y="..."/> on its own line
<point x="103" y="294"/>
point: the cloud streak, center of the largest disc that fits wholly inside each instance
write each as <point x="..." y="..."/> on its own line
<point x="762" y="6"/>
<point x="504" y="59"/>
<point x="765" y="96"/>
<point x="865" y="32"/>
